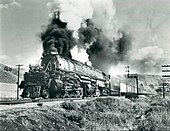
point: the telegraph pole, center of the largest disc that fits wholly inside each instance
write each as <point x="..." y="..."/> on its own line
<point x="18" y="80"/>
<point x="163" y="90"/>
<point x="133" y="76"/>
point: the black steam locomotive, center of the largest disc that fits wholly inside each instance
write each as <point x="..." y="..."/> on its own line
<point x="61" y="77"/>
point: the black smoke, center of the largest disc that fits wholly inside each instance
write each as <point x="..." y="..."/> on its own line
<point x="123" y="46"/>
<point x="57" y="37"/>
<point x="103" y="53"/>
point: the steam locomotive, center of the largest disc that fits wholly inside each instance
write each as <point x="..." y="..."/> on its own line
<point x="62" y="77"/>
<point x="58" y="76"/>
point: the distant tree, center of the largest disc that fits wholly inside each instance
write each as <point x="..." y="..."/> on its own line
<point x="6" y="68"/>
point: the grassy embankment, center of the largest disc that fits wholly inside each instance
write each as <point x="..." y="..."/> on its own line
<point x="99" y="114"/>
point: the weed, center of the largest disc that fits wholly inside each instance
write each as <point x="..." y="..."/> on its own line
<point x="70" y="105"/>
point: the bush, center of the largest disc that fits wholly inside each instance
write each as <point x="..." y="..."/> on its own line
<point x="74" y="116"/>
<point x="161" y="102"/>
<point x="131" y="96"/>
<point x="70" y="105"/>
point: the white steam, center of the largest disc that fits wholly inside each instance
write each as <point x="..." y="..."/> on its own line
<point x="79" y="54"/>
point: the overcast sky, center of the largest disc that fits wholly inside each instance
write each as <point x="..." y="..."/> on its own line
<point x="21" y="22"/>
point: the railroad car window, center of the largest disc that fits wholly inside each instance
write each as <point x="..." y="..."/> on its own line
<point x="129" y="88"/>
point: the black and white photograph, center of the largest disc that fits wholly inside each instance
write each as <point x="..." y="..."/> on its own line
<point x="89" y="65"/>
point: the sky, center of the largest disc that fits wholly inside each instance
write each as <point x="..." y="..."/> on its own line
<point x="148" y="21"/>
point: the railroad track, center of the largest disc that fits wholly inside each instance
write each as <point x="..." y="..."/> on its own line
<point x="23" y="101"/>
<point x="40" y="100"/>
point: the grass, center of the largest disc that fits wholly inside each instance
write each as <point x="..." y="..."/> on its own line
<point x="47" y="118"/>
<point x="157" y="118"/>
<point x="110" y="114"/>
<point x="114" y="113"/>
<point x="122" y="114"/>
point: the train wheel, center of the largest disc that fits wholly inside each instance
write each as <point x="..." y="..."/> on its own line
<point x="27" y="94"/>
<point x="45" y="94"/>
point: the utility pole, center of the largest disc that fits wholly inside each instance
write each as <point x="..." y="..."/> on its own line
<point x="133" y="76"/>
<point x="163" y="90"/>
<point x="18" y="80"/>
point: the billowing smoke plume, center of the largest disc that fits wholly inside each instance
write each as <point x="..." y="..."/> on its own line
<point x="57" y="37"/>
<point x="103" y="53"/>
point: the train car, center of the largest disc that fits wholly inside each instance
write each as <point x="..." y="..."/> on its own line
<point x="62" y="77"/>
<point x="126" y="88"/>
